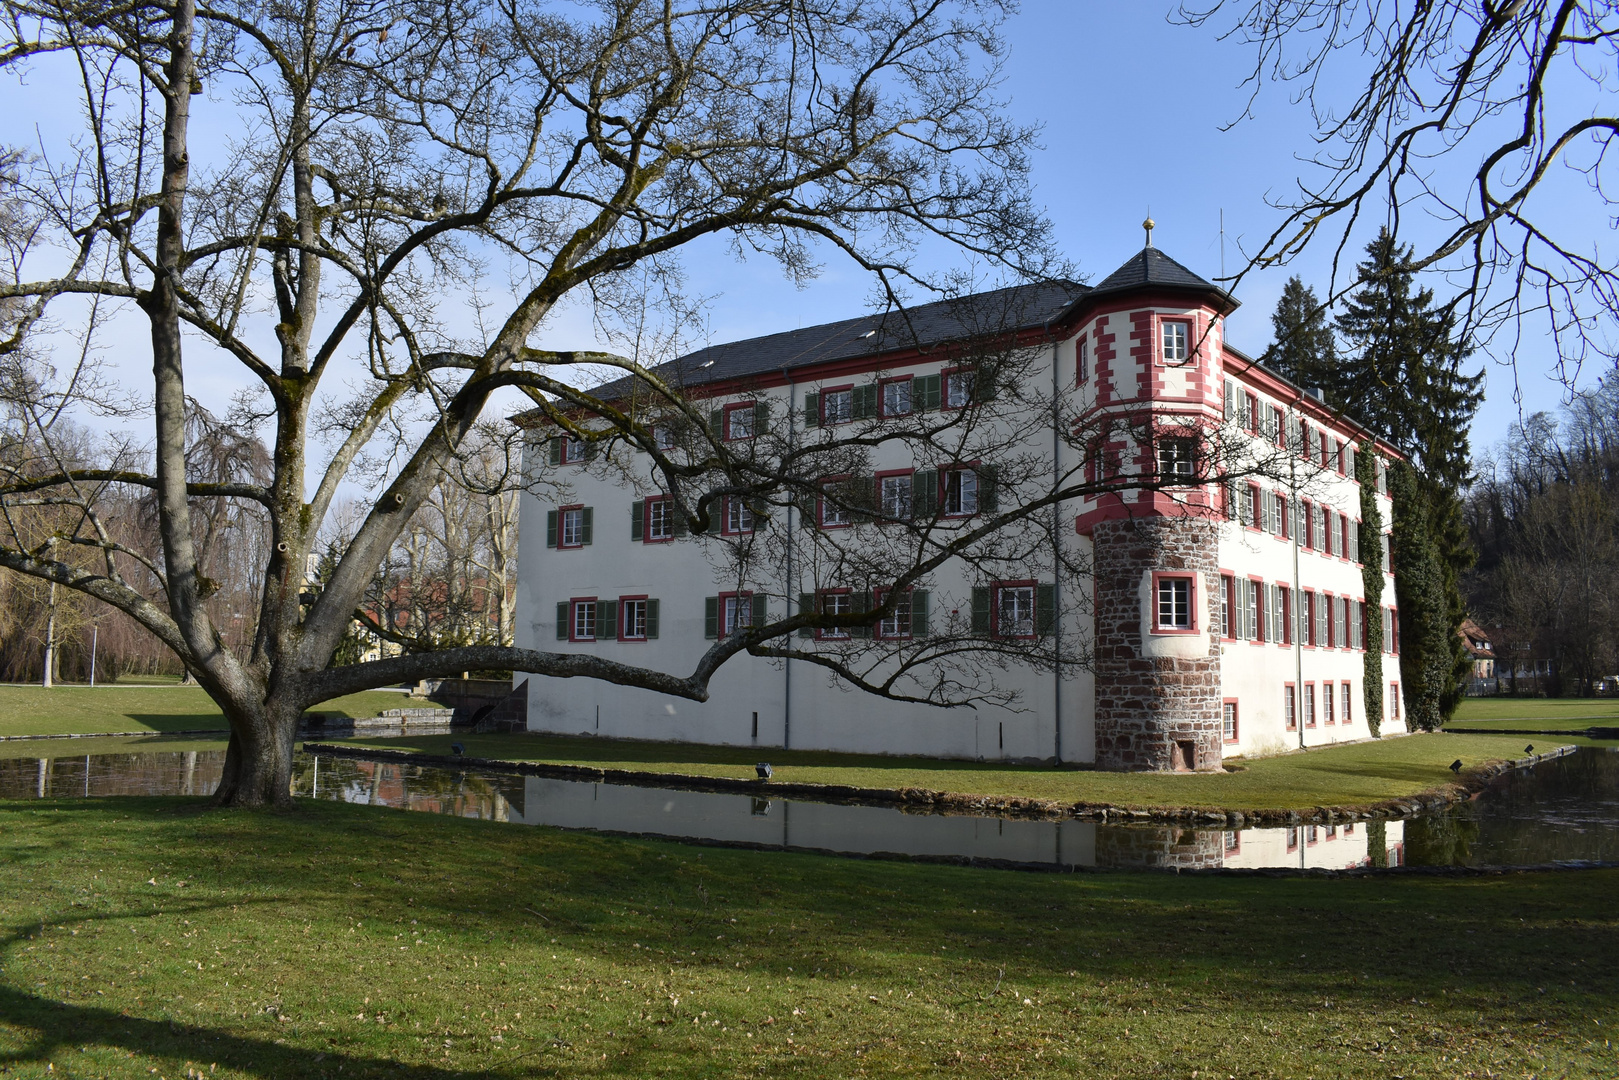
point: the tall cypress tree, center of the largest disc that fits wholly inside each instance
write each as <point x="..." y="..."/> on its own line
<point x="1304" y="350"/>
<point x="1426" y="634"/>
<point x="1371" y="574"/>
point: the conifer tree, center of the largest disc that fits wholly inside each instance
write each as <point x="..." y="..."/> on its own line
<point x="1304" y="350"/>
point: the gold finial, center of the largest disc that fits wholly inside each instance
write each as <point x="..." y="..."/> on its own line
<point x="1148" y="224"/>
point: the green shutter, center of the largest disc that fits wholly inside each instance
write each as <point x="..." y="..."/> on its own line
<point x="862" y="495"/>
<point x="651" y="619"/>
<point x="988" y="489"/>
<point x="711" y="617"/>
<point x="984" y="383"/>
<point x="919" y="613"/>
<point x="761" y="418"/>
<point x="716" y="423"/>
<point x="1230" y="399"/>
<point x="1045" y="609"/>
<point x="562" y="620"/>
<point x="863" y="402"/>
<point x="812" y="410"/>
<point x="862" y="604"/>
<point x="550" y="528"/>
<point x="925" y="495"/>
<point x="606" y="620"/>
<point x="680" y="527"/>
<point x="925" y="393"/>
<point x="637" y="519"/>
<point x="591" y="450"/>
<point x="760" y="609"/>
<point x="586" y="517"/>
<point x="556" y="449"/>
<point x="980" y="609"/>
<point x="806" y="606"/>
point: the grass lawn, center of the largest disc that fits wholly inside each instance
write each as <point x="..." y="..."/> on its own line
<point x="1548" y="713"/>
<point x="33" y="710"/>
<point x="140" y="744"/>
<point x="1329" y="776"/>
<point x="147" y="938"/>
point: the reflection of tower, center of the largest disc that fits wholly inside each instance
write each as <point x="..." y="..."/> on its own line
<point x="1159" y="848"/>
<point x="1157" y="696"/>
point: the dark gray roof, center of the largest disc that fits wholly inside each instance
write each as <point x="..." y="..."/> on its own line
<point x="1018" y="307"/>
<point x="1151" y="267"/>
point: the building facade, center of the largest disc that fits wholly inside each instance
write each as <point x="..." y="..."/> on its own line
<point x="1213" y="619"/>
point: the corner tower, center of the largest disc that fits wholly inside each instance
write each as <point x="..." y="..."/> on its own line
<point x="1154" y="331"/>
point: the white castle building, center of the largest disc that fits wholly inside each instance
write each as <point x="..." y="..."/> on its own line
<point x="1218" y="619"/>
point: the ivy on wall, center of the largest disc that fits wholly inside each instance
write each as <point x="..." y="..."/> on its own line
<point x="1371" y="573"/>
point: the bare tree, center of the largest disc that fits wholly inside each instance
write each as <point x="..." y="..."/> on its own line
<point x="1483" y="116"/>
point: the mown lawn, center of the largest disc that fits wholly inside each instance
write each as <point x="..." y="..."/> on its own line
<point x="33" y="710"/>
<point x="148" y="938"/>
<point x="1346" y="774"/>
<point x="1549" y="713"/>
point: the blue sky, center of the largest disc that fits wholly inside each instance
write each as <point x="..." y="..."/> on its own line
<point x="1131" y="108"/>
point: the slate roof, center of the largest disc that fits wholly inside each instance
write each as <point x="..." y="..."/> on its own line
<point x="1151" y="267"/>
<point x="1018" y="307"/>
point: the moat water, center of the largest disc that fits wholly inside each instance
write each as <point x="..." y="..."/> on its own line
<point x="1562" y="810"/>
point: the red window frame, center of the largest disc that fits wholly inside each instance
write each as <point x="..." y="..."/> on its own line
<point x="1253" y="414"/>
<point x="1308" y="698"/>
<point x="1236" y="721"/>
<point x="1286" y="593"/>
<point x="1190" y="324"/>
<point x="944" y="489"/>
<point x="1329" y="704"/>
<point x="562" y="510"/>
<point x="1394" y="701"/>
<point x="646" y="520"/>
<point x="877" y="491"/>
<point x="1284" y="516"/>
<point x="880" y="596"/>
<point x="1082" y="360"/>
<point x="1290" y="696"/>
<point x="572" y="447"/>
<point x="1279" y="418"/>
<point x="1191" y="602"/>
<point x="820" y="504"/>
<point x="1293" y="838"/>
<point x="725" y="421"/>
<point x="1228" y="588"/>
<point x="945" y="375"/>
<point x="828" y="391"/>
<point x="1331" y="603"/>
<point x="828" y="633"/>
<point x="882" y="399"/>
<point x="1256" y="519"/>
<point x="622" y="622"/>
<point x="1307" y="519"/>
<point x="725" y="517"/>
<point x="726" y="631"/>
<point x="1346" y="714"/>
<point x="1343" y="537"/>
<point x="573" y="617"/>
<point x="995" y="609"/>
<point x="1256" y="589"/>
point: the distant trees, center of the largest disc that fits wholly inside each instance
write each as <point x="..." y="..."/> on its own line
<point x="1544" y="517"/>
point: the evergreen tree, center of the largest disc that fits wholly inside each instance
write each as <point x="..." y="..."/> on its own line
<point x="1304" y="350"/>
<point x="1402" y="373"/>
<point x="1371" y="573"/>
<point x="1427" y="656"/>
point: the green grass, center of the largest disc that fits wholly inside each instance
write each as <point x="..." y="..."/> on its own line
<point x="140" y="744"/>
<point x="1348" y="774"/>
<point x="145" y="938"/>
<point x="1550" y="713"/>
<point x="33" y="710"/>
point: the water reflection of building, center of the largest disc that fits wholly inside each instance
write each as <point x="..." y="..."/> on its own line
<point x="1342" y="846"/>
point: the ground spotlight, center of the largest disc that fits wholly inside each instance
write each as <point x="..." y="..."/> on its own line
<point x="1530" y="749"/>
<point x="1456" y="766"/>
<point x="763" y="769"/>
<point x="457" y="749"/>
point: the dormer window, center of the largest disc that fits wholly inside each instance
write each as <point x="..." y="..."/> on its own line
<point x="1177" y="339"/>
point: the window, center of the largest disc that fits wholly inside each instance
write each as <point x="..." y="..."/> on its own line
<point x="1233" y="842"/>
<point x="1248" y="512"/>
<point x="582" y="626"/>
<point x="1290" y="706"/>
<point x="833" y="515"/>
<point x="737" y="611"/>
<point x="897" y="625"/>
<point x="837" y="406"/>
<point x="663" y="436"/>
<point x="739" y="421"/>
<point x="1082" y="360"/>
<point x="1254" y="589"/>
<point x="1318" y="528"/>
<point x="1394" y="701"/>
<point x="958" y="388"/>
<point x="567" y="450"/>
<point x="1284" y="514"/>
<point x="660" y="519"/>
<point x="895" y="494"/>
<point x="1014" y="611"/>
<point x="633" y="621"/>
<point x="960" y="492"/>
<point x="1228" y="720"/>
<point x="1177" y="459"/>
<point x="1250" y="415"/>
<point x="839" y="602"/>
<point x="1327" y="706"/>
<point x="1277" y="426"/>
<point x="1357" y="625"/>
<point x="1228" y="617"/>
<point x="1278" y="615"/>
<point x="1308" y="445"/>
<point x="1177" y="337"/>
<point x="738" y="516"/>
<point x="897" y="397"/>
<point x="571" y="527"/>
<point x="1173" y="604"/>
<point x="1329" y="531"/>
<point x="1340" y="622"/>
<point x="1348" y="696"/>
<point x="1293" y="839"/>
<point x="1309" y="705"/>
<point x="1322" y="624"/>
